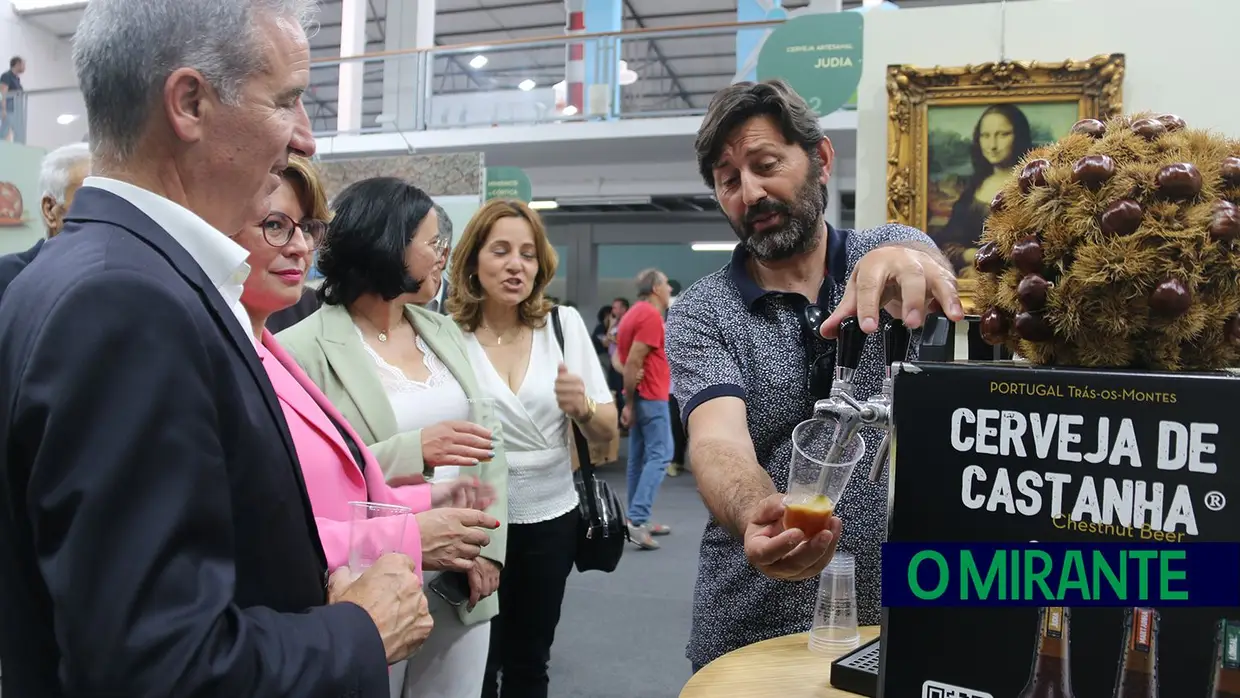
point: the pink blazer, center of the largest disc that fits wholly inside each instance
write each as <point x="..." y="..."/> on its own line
<point x="307" y="412"/>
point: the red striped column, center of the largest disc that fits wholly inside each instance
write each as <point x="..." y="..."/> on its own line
<point x="575" y="72"/>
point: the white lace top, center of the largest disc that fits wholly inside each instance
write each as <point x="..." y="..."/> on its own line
<point x="536" y="437"/>
<point x="416" y="404"/>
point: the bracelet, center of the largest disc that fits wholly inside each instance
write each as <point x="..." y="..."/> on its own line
<point x="591" y="408"/>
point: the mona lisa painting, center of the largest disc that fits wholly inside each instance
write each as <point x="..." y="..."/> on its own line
<point x="956" y="135"/>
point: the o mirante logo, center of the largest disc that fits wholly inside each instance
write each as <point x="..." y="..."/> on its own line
<point x="1068" y="574"/>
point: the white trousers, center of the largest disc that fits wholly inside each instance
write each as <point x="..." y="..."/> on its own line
<point x="450" y="664"/>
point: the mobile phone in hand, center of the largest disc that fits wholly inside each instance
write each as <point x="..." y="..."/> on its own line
<point x="452" y="587"/>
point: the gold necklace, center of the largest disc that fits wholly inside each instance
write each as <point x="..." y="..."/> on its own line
<point x="499" y="338"/>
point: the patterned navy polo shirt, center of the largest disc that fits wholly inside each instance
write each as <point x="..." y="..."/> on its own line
<point x="728" y="337"/>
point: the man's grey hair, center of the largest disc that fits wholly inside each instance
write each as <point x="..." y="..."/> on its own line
<point x="124" y="51"/>
<point x="58" y="166"/>
<point x="647" y="279"/>
<point x="738" y="103"/>
<point x="445" y="223"/>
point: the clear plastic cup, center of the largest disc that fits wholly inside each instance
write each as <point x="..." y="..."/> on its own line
<point x="374" y="531"/>
<point x="815" y="483"/>
<point x="834" y="630"/>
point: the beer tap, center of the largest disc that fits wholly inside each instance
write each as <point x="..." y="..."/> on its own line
<point x="842" y="405"/>
<point x="895" y="349"/>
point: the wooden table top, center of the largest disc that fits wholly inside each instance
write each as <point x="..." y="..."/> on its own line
<point x="782" y="666"/>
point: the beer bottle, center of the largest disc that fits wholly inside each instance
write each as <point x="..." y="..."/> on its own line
<point x="1051" y="676"/>
<point x="1225" y="676"/>
<point x="1138" y="665"/>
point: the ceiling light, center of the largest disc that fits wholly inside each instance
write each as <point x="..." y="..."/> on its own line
<point x="626" y="76"/>
<point x="570" y="110"/>
<point x="713" y="246"/>
<point x="36" y="5"/>
<point x="66" y="119"/>
<point x="526" y="85"/>
<point x="478" y="62"/>
<point x="544" y="205"/>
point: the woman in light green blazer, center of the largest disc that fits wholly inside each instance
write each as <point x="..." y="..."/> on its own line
<point x="360" y="348"/>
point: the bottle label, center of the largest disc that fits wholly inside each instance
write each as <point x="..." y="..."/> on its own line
<point x="1142" y="628"/>
<point x="1054" y="622"/>
<point x="1231" y="645"/>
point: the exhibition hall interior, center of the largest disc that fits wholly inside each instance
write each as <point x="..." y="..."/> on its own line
<point x="1023" y="220"/>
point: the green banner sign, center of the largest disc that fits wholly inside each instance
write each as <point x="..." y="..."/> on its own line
<point x="508" y="183"/>
<point x="819" y="55"/>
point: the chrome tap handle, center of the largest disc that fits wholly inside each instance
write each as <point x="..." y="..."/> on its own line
<point x="896" y="339"/>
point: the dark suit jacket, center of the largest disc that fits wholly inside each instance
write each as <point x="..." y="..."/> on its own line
<point x="12" y="264"/>
<point x="155" y="534"/>
<point x="295" y="313"/>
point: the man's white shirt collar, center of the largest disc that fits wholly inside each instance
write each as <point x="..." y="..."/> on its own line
<point x="221" y="259"/>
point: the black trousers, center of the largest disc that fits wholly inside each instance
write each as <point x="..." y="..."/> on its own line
<point x="678" y="431"/>
<point x="531" y="591"/>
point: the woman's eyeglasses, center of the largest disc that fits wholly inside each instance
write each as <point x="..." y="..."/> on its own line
<point x="278" y="230"/>
<point x="822" y="360"/>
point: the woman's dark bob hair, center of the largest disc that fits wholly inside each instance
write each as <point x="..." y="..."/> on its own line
<point x="364" y="251"/>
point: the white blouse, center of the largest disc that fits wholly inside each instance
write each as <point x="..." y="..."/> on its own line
<point x="536" y="434"/>
<point x="417" y="404"/>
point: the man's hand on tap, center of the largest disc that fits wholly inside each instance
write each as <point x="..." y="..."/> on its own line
<point x="906" y="279"/>
<point x="785" y="554"/>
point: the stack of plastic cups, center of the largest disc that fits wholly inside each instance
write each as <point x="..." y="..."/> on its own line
<point x="835" y="613"/>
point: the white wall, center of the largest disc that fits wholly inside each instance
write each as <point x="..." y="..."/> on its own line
<point x="49" y="61"/>
<point x="49" y="66"/>
<point x="1179" y="59"/>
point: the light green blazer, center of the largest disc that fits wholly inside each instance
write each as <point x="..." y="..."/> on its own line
<point x="329" y="350"/>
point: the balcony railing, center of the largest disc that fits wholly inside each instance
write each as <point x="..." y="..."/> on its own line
<point x="13" y="117"/>
<point x="641" y="73"/>
<point x="644" y="73"/>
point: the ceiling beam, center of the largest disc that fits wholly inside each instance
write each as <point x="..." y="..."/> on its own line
<point x="676" y="84"/>
<point x="499" y="6"/>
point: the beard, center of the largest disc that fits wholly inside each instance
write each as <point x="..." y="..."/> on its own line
<point x="802" y="218"/>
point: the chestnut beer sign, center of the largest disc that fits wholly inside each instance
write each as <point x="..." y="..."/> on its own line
<point x="1059" y="532"/>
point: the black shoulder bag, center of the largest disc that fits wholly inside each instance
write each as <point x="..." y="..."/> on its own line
<point x="602" y="531"/>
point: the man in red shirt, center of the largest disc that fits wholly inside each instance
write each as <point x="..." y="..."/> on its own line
<point x="639" y="346"/>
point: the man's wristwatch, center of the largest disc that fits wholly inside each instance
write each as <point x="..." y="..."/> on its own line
<point x="591" y="408"/>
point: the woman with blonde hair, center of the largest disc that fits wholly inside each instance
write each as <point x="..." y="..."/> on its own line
<point x="500" y="271"/>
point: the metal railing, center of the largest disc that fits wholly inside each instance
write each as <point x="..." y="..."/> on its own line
<point x="13" y="117"/>
<point x="643" y="73"/>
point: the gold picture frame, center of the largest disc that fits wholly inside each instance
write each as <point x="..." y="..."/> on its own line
<point x="969" y="161"/>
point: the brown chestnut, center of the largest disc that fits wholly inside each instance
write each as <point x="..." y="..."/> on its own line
<point x="1027" y="254"/>
<point x="1225" y="222"/>
<point x="996" y="204"/>
<point x="987" y="259"/>
<point x="1122" y="217"/>
<point x="1032" y="291"/>
<point x="1034" y="327"/>
<point x="1170" y="299"/>
<point x="1179" y="182"/>
<point x="1034" y="175"/>
<point x="1149" y="129"/>
<point x="995" y="326"/>
<point x="1172" y="122"/>
<point x="1090" y="127"/>
<point x="1232" y="329"/>
<point x="1231" y="171"/>
<point x="1093" y="171"/>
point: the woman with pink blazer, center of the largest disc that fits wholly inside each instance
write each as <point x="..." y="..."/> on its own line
<point x="337" y="466"/>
